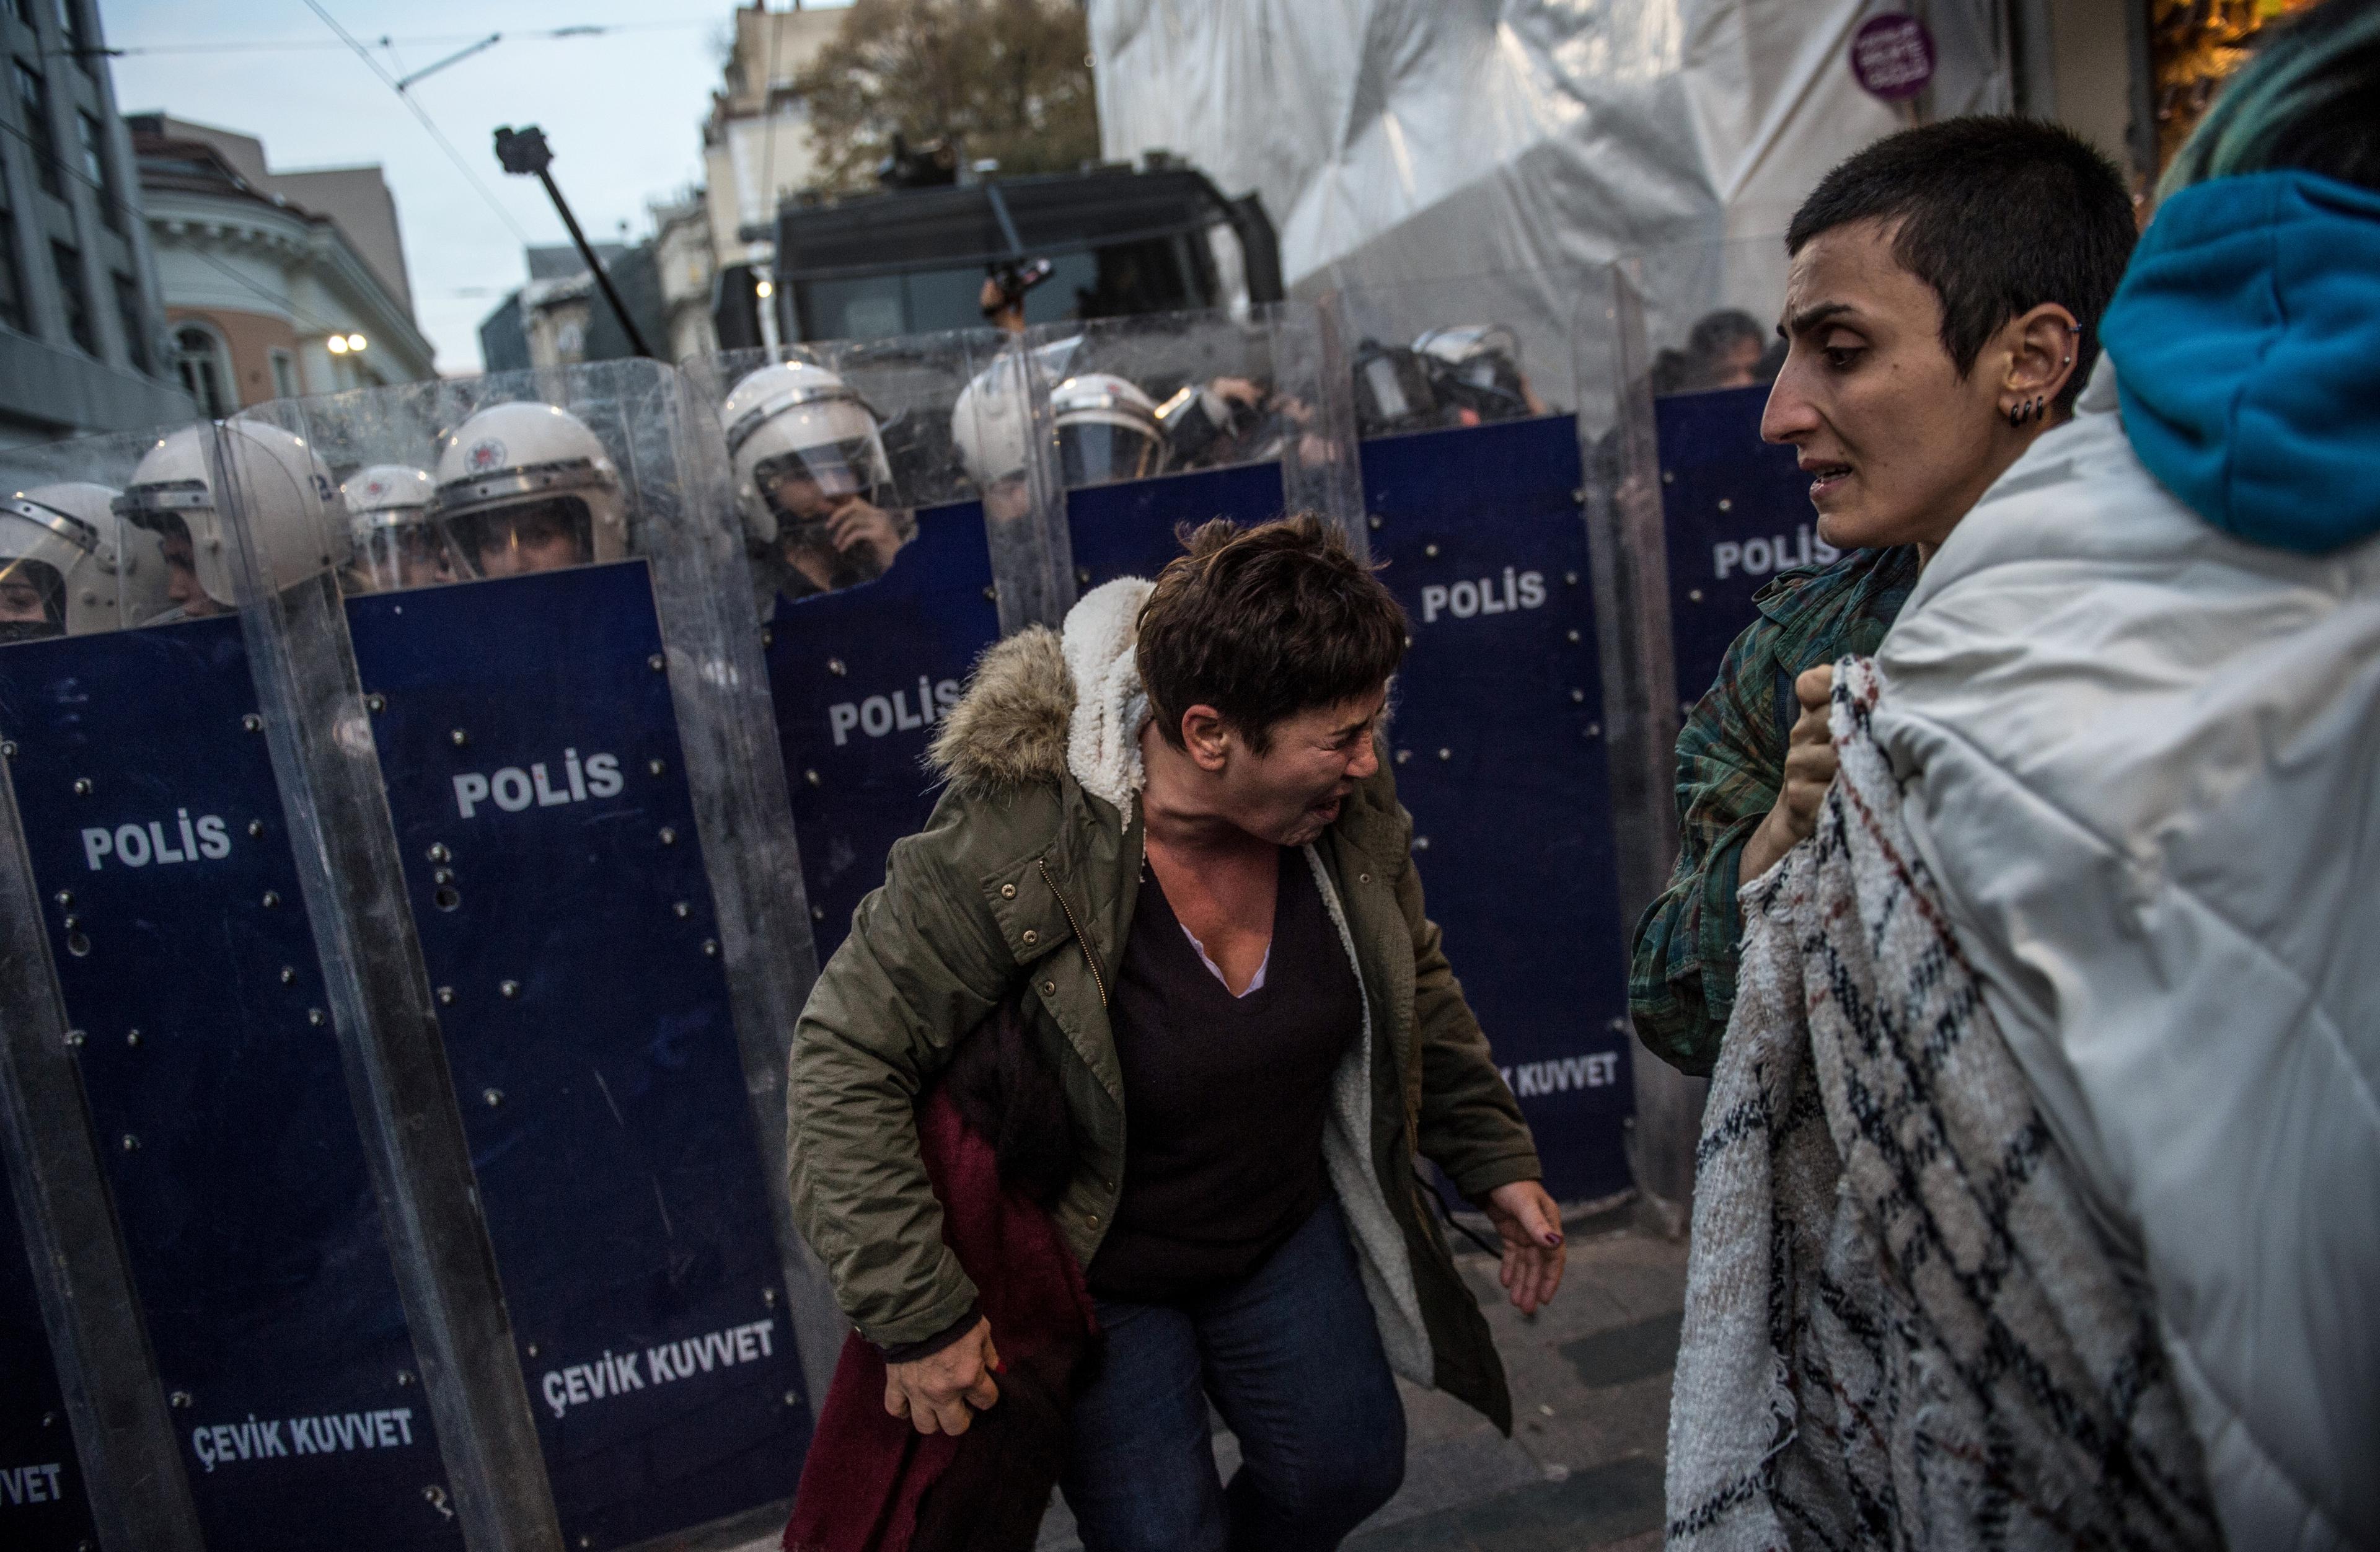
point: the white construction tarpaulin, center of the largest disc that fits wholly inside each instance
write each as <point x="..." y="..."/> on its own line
<point x="1517" y="142"/>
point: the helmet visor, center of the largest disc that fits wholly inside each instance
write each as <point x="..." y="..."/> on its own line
<point x="1489" y="385"/>
<point x="33" y="601"/>
<point x="1100" y="453"/>
<point x="411" y="554"/>
<point x="547" y="535"/>
<point x="808" y="484"/>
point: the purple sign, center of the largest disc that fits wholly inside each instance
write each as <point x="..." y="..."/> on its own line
<point x="1893" y="55"/>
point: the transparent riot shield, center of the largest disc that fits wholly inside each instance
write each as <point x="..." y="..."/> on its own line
<point x="564" y="699"/>
<point x="1702" y="348"/>
<point x="1473" y="477"/>
<point x="255" y="1217"/>
<point x="1695" y="514"/>
<point x="1170" y="419"/>
<point x="893" y="496"/>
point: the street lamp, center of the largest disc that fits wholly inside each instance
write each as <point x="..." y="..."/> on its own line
<point x="356" y="342"/>
<point x="337" y="344"/>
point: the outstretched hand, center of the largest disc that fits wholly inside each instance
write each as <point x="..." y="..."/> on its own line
<point x="1530" y="1226"/>
<point x="941" y="1392"/>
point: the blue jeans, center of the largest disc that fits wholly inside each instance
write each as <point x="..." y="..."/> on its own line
<point x="1292" y="1357"/>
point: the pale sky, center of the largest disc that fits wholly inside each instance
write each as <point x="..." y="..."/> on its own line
<point x="623" y="111"/>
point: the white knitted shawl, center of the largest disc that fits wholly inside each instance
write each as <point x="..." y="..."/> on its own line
<point x="1902" y="1329"/>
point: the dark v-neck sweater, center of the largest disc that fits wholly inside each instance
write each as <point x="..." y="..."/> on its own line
<point x="1225" y="1098"/>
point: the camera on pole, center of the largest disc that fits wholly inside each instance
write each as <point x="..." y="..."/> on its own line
<point x="524" y="152"/>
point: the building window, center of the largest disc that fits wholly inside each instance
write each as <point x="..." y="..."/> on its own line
<point x="12" y="285"/>
<point x="76" y="300"/>
<point x="129" y="314"/>
<point x="33" y="98"/>
<point x="94" y="167"/>
<point x="284" y="374"/>
<point x="199" y="356"/>
<point x="70" y="28"/>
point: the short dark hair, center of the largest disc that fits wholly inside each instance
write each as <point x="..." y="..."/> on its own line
<point x="1999" y="215"/>
<point x="1263" y="623"/>
<point x="2309" y="99"/>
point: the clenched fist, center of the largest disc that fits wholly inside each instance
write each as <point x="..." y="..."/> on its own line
<point x="1809" y="771"/>
<point x="941" y="1392"/>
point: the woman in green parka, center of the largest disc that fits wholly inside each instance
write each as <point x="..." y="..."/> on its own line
<point x="1169" y="834"/>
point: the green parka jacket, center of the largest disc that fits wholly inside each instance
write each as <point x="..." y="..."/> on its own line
<point x="1023" y="879"/>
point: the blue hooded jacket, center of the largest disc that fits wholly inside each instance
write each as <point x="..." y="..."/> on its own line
<point x="2246" y="338"/>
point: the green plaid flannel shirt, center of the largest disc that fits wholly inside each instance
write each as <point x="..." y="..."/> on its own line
<point x="1731" y="766"/>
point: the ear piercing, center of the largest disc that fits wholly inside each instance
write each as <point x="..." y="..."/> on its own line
<point x="2025" y="410"/>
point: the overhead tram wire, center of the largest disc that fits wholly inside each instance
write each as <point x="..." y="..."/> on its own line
<point x="280" y="45"/>
<point x="427" y="122"/>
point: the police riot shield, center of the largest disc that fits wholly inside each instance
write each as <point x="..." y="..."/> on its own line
<point x="559" y="663"/>
<point x="1165" y="421"/>
<point x="156" y="826"/>
<point x="43" y="1499"/>
<point x="893" y="496"/>
<point x="1695" y="514"/>
<point x="1473" y="478"/>
<point x="1736" y="510"/>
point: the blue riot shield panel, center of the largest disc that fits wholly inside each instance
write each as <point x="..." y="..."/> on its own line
<point x="861" y="678"/>
<point x="1737" y="511"/>
<point x="531" y="649"/>
<point x="1500" y="752"/>
<point x="1702" y="321"/>
<point x="884" y="487"/>
<point x="42" y="1505"/>
<point x="156" y="829"/>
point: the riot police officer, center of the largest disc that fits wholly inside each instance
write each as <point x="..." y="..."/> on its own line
<point x="527" y="487"/>
<point x="398" y="544"/>
<point x="1475" y="369"/>
<point x="291" y="504"/>
<point x="70" y="567"/>
<point x="812" y="480"/>
<point x="992" y="425"/>
<point x="1108" y="429"/>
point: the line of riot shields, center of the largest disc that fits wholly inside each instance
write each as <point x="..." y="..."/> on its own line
<point x="426" y="808"/>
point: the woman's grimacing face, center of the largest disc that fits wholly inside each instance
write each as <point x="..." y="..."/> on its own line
<point x="1897" y="444"/>
<point x="1291" y="792"/>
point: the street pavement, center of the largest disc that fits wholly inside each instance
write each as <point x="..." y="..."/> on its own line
<point x="1590" y="1377"/>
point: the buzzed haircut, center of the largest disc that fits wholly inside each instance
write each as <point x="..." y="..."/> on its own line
<point x="1263" y="623"/>
<point x="1999" y="215"/>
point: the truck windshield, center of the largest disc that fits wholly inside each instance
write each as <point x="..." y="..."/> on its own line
<point x="1158" y="274"/>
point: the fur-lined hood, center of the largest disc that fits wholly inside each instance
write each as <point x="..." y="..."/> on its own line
<point x="1010" y="727"/>
<point x="1043" y="704"/>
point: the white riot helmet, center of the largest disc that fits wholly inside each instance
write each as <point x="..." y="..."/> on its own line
<point x="89" y="569"/>
<point x="1108" y="429"/>
<point x="802" y="441"/>
<point x="515" y="472"/>
<point x="397" y="543"/>
<point x="285" y="490"/>
<point x="991" y="420"/>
